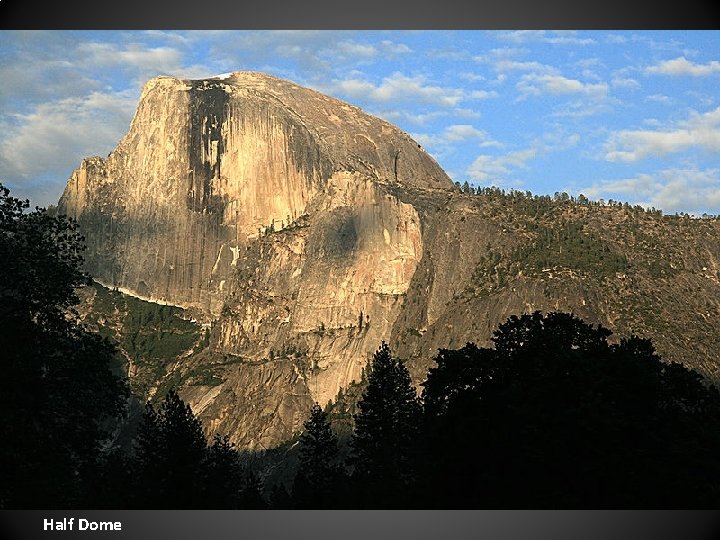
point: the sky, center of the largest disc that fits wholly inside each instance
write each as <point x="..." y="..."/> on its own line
<point x="624" y="115"/>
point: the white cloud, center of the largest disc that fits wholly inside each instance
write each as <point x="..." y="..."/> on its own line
<point x="483" y="94"/>
<point x="454" y="134"/>
<point x="141" y="57"/>
<point x="312" y="54"/>
<point x="399" y="87"/>
<point x="560" y="139"/>
<point x="461" y="132"/>
<point x="534" y="84"/>
<point x="419" y="119"/>
<point x="660" y="98"/>
<point x="467" y="113"/>
<point x="356" y="50"/>
<point x="497" y="168"/>
<point x="504" y="61"/>
<point x="589" y="62"/>
<point x="700" y="130"/>
<point x="646" y="41"/>
<point x="471" y="77"/>
<point x="57" y="135"/>
<point x="499" y="54"/>
<point x="504" y="66"/>
<point x="641" y="186"/>
<point x="558" y="37"/>
<point x="141" y="61"/>
<point x="689" y="190"/>
<point x="176" y="38"/>
<point x="701" y="98"/>
<point x="682" y="66"/>
<point x="455" y="55"/>
<point x="36" y="79"/>
<point x="616" y="39"/>
<point x="394" y="48"/>
<point x="624" y="82"/>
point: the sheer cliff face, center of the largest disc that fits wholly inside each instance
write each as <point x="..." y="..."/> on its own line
<point x="210" y="165"/>
<point x="268" y="207"/>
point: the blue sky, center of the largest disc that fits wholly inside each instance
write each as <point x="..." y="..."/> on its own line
<point x="624" y="115"/>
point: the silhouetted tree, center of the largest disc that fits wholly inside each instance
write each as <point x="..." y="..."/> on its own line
<point x="385" y="436"/>
<point x="112" y="486"/>
<point x="58" y="392"/>
<point x="252" y="491"/>
<point x="227" y="483"/>
<point x="555" y="416"/>
<point x="223" y="475"/>
<point x="318" y="469"/>
<point x="170" y="455"/>
<point x="280" y="499"/>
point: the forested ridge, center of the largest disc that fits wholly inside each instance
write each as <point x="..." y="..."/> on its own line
<point x="553" y="414"/>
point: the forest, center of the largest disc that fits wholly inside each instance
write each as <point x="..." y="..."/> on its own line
<point x="555" y="414"/>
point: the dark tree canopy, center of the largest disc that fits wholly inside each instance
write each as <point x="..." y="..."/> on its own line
<point x="40" y="262"/>
<point x="175" y="468"/>
<point x="223" y="475"/>
<point x="58" y="390"/>
<point x="170" y="453"/>
<point x="226" y="483"/>
<point x="318" y="472"/>
<point x="555" y="416"/>
<point x="386" y="430"/>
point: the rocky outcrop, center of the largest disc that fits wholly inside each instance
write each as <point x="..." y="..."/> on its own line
<point x="303" y="232"/>
<point x="268" y="207"/>
<point x="210" y="165"/>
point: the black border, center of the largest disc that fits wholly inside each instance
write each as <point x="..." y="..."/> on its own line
<point x="358" y="14"/>
<point x="367" y="14"/>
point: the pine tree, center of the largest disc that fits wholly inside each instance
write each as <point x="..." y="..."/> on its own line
<point x="251" y="497"/>
<point x="226" y="483"/>
<point x="170" y="453"/>
<point x="386" y="431"/>
<point x="318" y="455"/>
<point x="223" y="475"/>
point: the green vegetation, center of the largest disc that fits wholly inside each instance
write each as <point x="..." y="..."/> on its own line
<point x="567" y="246"/>
<point x="564" y="247"/>
<point x="151" y="335"/>
<point x="597" y="242"/>
<point x="204" y="375"/>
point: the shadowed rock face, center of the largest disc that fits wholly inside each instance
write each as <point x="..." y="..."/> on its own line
<point x="308" y="232"/>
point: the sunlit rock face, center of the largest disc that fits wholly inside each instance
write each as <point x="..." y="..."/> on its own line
<point x="273" y="210"/>
<point x="210" y="165"/>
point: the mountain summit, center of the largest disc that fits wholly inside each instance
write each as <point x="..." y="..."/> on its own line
<point x="209" y="165"/>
